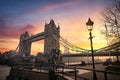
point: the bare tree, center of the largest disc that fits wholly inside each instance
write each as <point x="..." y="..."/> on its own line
<point x="111" y="17"/>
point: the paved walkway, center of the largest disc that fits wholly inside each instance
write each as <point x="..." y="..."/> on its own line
<point x="100" y="76"/>
<point x="4" y="71"/>
<point x="88" y="75"/>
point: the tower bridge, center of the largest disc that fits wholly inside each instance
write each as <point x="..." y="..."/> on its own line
<point x="49" y="42"/>
<point x="52" y="41"/>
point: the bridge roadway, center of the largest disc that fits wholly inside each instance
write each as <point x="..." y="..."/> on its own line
<point x="89" y="54"/>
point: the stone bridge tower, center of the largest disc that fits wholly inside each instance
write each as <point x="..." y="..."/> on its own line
<point x="52" y="35"/>
<point x="24" y="45"/>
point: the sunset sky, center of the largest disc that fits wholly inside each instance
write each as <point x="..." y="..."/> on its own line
<point x="18" y="16"/>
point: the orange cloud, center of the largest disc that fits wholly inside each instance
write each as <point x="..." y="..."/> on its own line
<point x="3" y="41"/>
<point x="3" y="49"/>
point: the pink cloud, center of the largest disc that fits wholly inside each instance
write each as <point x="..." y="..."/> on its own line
<point x="14" y="32"/>
<point x="28" y="28"/>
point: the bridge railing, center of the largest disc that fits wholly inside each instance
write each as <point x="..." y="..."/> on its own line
<point x="74" y="71"/>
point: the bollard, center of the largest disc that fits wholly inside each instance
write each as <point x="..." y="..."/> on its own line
<point x="105" y="75"/>
<point x="40" y="67"/>
<point x="62" y="71"/>
<point x="52" y="75"/>
<point x="75" y="73"/>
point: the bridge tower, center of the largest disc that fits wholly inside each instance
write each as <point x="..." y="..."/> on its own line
<point x="24" y="45"/>
<point x="52" y="35"/>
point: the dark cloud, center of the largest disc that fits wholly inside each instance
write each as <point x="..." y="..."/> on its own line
<point x="14" y="32"/>
<point x="12" y="9"/>
<point x="16" y="7"/>
<point x="29" y="28"/>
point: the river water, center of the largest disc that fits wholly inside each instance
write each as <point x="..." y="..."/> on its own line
<point x="88" y="59"/>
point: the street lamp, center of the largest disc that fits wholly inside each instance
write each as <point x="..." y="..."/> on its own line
<point x="89" y="25"/>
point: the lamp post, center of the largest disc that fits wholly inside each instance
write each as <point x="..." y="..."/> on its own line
<point x="89" y="25"/>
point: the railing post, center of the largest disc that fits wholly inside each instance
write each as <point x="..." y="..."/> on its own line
<point x="62" y="71"/>
<point x="52" y="75"/>
<point x="40" y="67"/>
<point x="105" y="75"/>
<point x="75" y="73"/>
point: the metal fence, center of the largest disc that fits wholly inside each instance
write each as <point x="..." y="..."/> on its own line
<point x="63" y="73"/>
<point x="105" y="72"/>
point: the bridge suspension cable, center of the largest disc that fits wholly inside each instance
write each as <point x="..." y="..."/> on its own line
<point x="16" y="50"/>
<point x="67" y="44"/>
<point x="110" y="47"/>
